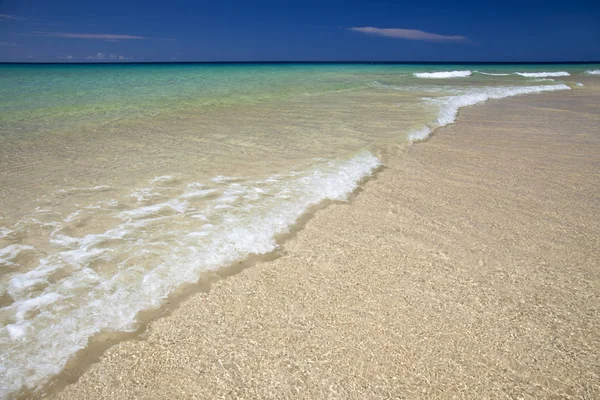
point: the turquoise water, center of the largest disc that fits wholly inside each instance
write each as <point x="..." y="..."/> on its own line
<point x="52" y="96"/>
<point x="120" y="183"/>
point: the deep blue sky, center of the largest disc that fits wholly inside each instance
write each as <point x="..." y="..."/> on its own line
<point x="299" y="30"/>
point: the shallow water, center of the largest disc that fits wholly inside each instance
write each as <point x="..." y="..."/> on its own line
<point x="120" y="183"/>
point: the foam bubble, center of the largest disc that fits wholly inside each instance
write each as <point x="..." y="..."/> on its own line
<point x="542" y="74"/>
<point x="442" y="75"/>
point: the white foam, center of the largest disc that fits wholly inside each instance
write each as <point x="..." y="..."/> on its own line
<point x="71" y="217"/>
<point x="10" y="252"/>
<point x="223" y="179"/>
<point x="112" y="203"/>
<point x="35" y="303"/>
<point x="16" y="331"/>
<point x="176" y="205"/>
<point x="198" y="193"/>
<point x="492" y="74"/>
<point x="54" y="314"/>
<point x="144" y="194"/>
<point x="442" y="75"/>
<point x="542" y="74"/>
<point x="420" y="134"/>
<point x="4" y="232"/>
<point x="593" y="72"/>
<point x="163" y="178"/>
<point x="449" y="106"/>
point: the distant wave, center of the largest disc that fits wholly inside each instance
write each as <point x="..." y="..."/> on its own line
<point x="442" y="75"/>
<point x="593" y="72"/>
<point x="492" y="74"/>
<point x="449" y="106"/>
<point x="543" y="74"/>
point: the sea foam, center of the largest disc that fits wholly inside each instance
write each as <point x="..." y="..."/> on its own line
<point x="593" y="72"/>
<point x="442" y="75"/>
<point x="151" y="250"/>
<point x="4" y="232"/>
<point x="10" y="252"/>
<point x="493" y="74"/>
<point x="543" y="74"/>
<point x="449" y="106"/>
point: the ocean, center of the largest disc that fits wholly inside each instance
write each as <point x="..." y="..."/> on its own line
<point x="121" y="183"/>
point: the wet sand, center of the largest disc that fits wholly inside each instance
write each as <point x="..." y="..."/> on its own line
<point x="469" y="267"/>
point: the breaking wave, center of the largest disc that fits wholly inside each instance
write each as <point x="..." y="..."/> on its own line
<point x="443" y="75"/>
<point x="99" y="282"/>
<point x="449" y="106"/>
<point x="543" y="74"/>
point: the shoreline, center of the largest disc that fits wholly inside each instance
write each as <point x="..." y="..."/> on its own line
<point x="115" y="362"/>
<point x="98" y="344"/>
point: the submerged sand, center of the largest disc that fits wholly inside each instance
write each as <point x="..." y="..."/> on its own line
<point x="468" y="267"/>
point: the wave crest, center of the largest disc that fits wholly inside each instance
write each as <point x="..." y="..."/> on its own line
<point x="443" y="75"/>
<point x="543" y="74"/>
<point x="449" y="106"/>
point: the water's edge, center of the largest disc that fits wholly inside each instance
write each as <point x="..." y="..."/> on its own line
<point x="98" y="344"/>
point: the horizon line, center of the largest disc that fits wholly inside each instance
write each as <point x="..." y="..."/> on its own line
<point x="295" y="62"/>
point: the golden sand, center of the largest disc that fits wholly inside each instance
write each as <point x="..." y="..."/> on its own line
<point x="467" y="268"/>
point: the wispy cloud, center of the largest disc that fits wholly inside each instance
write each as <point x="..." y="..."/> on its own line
<point x="99" y="56"/>
<point x="409" y="34"/>
<point x="9" y="17"/>
<point x="97" y="36"/>
<point x="108" y="57"/>
<point x="65" y="57"/>
<point x="8" y="44"/>
<point x="115" y="57"/>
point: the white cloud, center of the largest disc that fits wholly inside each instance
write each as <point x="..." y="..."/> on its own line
<point x="8" y="17"/>
<point x="109" y="57"/>
<point x="409" y="34"/>
<point x="99" y="56"/>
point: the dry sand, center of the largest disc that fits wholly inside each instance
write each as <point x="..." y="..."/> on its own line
<point x="467" y="268"/>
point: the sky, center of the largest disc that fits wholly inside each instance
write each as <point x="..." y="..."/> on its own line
<point x="298" y="30"/>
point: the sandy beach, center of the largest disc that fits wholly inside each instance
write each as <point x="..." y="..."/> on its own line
<point x="468" y="267"/>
